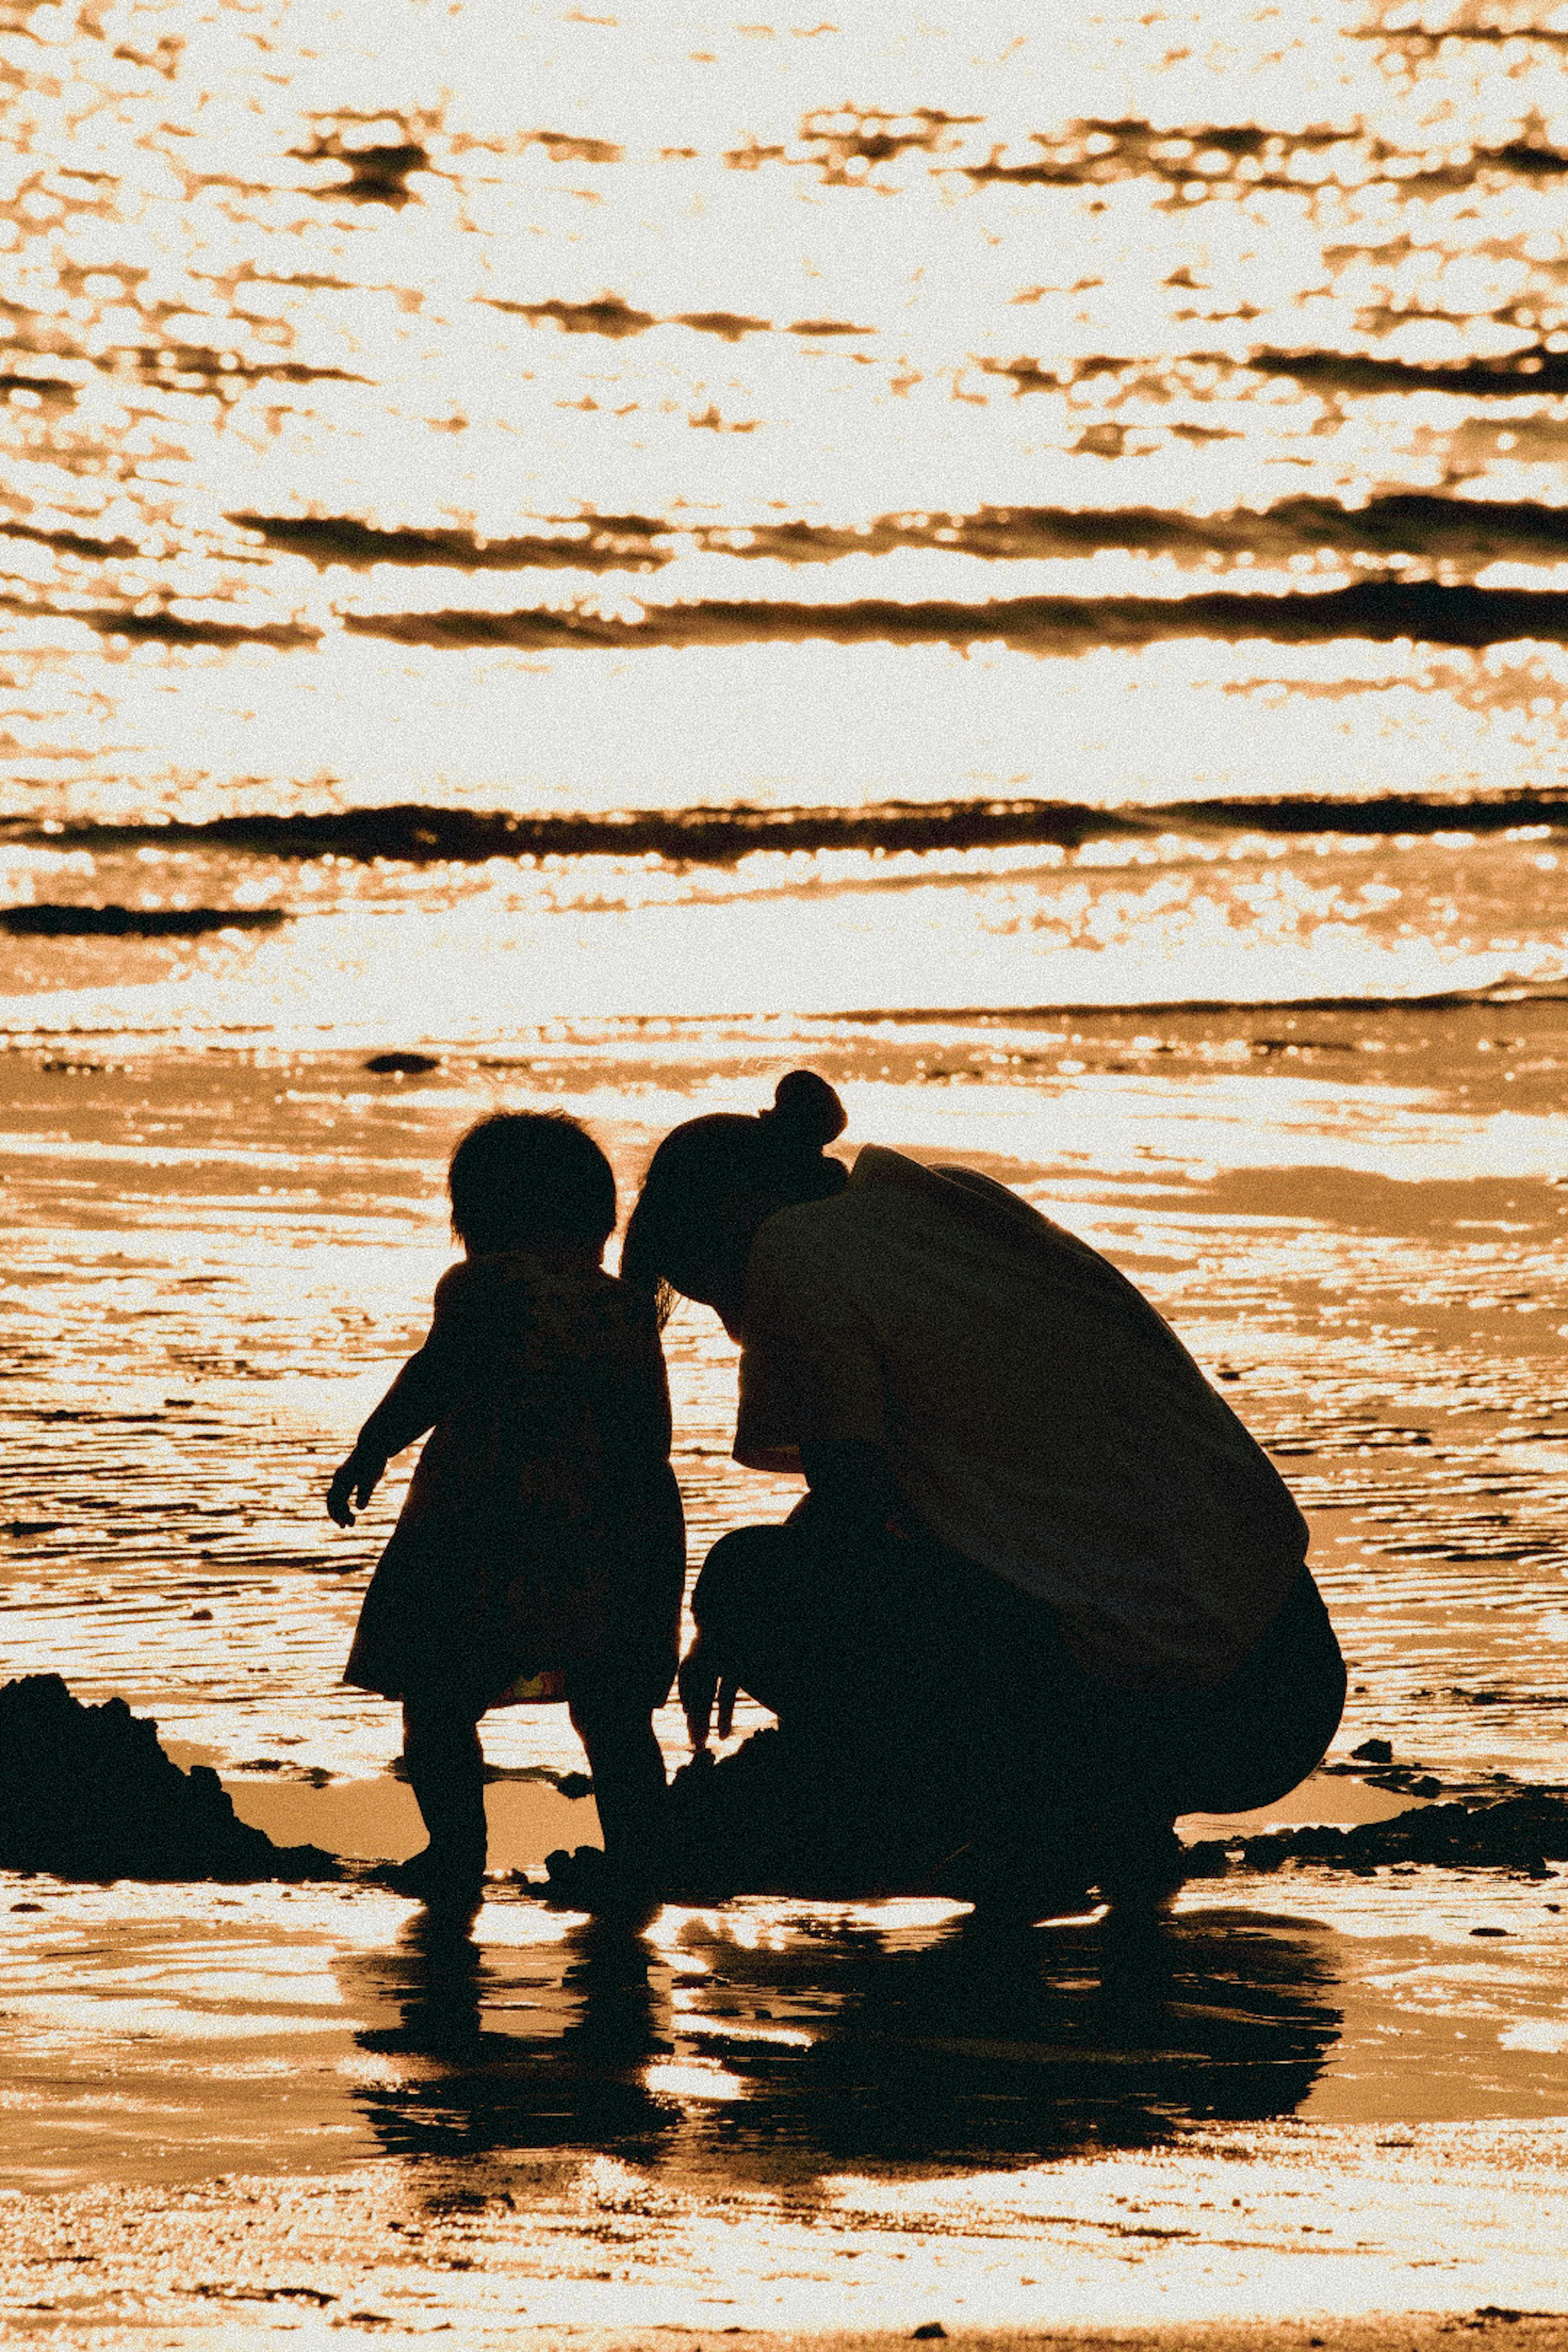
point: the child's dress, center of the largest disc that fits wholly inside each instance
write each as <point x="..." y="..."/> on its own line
<point x="540" y="1541"/>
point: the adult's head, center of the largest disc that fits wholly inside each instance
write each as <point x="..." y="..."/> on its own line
<point x="530" y="1180"/>
<point x="714" y="1181"/>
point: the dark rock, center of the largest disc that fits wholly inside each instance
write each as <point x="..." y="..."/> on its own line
<point x="402" y="1066"/>
<point x="88" y="1792"/>
<point x="1373" y="1751"/>
<point x="1522" y="1832"/>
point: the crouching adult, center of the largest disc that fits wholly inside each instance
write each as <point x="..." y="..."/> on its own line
<point x="1046" y="1592"/>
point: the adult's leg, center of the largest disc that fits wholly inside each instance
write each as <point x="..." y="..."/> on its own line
<point x="1082" y="1768"/>
<point x="900" y="1702"/>
<point x="1258" y="1735"/>
<point x="952" y="1695"/>
<point x="1051" y="1802"/>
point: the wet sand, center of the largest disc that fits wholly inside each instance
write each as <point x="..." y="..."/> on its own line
<point x="260" y="2109"/>
<point x="1332" y="2101"/>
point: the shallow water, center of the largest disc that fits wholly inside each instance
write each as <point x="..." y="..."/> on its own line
<point x="1323" y="1204"/>
<point x="777" y="2116"/>
<point x="1351" y="1217"/>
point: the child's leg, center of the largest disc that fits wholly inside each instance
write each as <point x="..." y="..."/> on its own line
<point x="446" y="1771"/>
<point x="624" y="1758"/>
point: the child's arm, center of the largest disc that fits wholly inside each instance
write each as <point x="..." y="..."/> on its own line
<point x="424" y="1390"/>
<point x="649" y="1547"/>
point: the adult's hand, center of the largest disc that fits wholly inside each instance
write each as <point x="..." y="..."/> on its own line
<point x="701" y="1683"/>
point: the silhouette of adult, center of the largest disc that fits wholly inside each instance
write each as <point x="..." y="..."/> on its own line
<point x="1046" y="1592"/>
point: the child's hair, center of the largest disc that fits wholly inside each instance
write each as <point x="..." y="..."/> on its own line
<point x="704" y="1163"/>
<point x="524" y="1178"/>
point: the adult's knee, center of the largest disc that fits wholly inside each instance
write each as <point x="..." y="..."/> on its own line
<point x="742" y="1578"/>
<point x="760" y="1611"/>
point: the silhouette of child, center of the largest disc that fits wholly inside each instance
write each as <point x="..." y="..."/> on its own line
<point x="540" y="1553"/>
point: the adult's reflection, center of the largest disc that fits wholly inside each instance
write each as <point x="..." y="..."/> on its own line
<point x="847" y="2038"/>
<point x="977" y="2043"/>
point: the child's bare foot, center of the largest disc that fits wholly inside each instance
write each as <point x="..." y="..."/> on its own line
<point x="442" y="1881"/>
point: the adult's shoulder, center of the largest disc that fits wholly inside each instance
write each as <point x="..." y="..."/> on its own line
<point x="890" y="1189"/>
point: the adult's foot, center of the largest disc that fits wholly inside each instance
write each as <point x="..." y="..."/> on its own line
<point x="1014" y="1882"/>
<point x="1143" y="1864"/>
<point x="1030" y="1899"/>
<point x="588" y="1880"/>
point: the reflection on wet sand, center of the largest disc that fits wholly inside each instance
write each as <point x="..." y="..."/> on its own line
<point x="779" y="2045"/>
<point x="500" y="2050"/>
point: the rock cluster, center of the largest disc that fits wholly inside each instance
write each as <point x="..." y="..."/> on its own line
<point x="1523" y="1832"/>
<point x="88" y="1792"/>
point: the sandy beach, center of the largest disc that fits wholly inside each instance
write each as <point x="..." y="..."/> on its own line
<point x="253" y="2109"/>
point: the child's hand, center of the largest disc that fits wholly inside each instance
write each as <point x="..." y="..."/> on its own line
<point x="354" y="1483"/>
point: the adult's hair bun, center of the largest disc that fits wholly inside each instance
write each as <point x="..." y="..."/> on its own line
<point x="807" y="1109"/>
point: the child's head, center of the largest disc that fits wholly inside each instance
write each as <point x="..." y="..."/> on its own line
<point x="527" y="1180"/>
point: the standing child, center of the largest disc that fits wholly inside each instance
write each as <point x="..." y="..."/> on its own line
<point x="540" y="1553"/>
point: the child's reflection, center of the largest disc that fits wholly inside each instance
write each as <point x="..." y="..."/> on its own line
<point x="498" y="2047"/>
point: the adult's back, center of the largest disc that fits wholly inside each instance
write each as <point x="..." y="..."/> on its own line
<point x="1039" y="1414"/>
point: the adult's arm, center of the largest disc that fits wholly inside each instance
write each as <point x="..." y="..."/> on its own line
<point x="853" y="1481"/>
